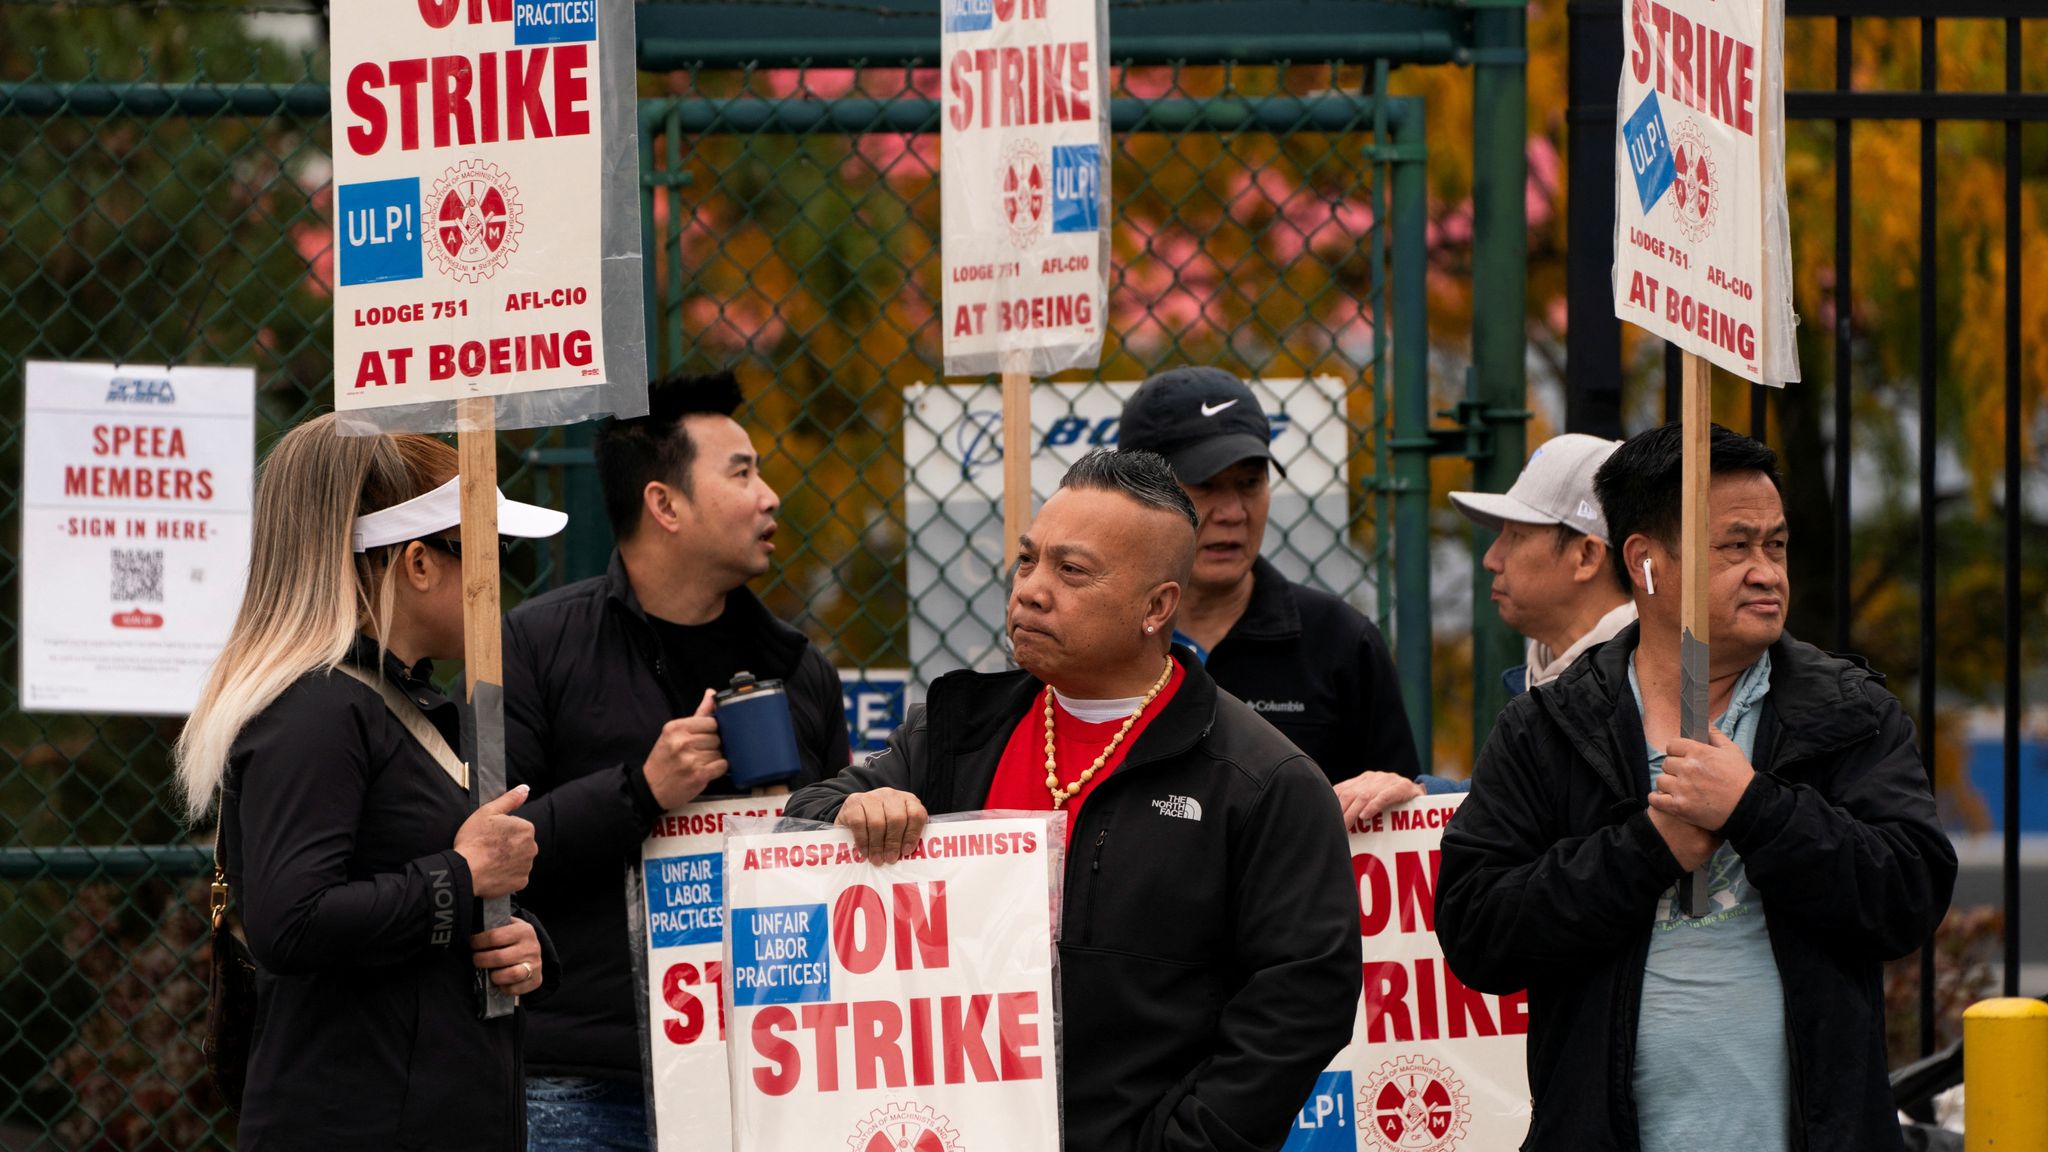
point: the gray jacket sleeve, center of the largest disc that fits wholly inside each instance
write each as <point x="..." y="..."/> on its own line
<point x="901" y="765"/>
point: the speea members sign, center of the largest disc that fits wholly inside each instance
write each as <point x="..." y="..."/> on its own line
<point x="468" y="170"/>
<point x="903" y="1006"/>
<point x="1024" y="199"/>
<point x="1701" y="232"/>
<point x="136" y="492"/>
<point x="1433" y="1066"/>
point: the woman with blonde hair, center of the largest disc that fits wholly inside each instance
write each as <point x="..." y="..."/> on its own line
<point x="353" y="851"/>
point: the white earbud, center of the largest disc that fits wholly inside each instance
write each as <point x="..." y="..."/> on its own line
<point x="1649" y="580"/>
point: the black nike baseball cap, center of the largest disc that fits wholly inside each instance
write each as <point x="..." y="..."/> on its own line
<point x="1202" y="420"/>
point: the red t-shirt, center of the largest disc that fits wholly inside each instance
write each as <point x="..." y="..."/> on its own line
<point x="1020" y="774"/>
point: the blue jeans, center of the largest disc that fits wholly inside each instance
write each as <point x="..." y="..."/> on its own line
<point x="578" y="1114"/>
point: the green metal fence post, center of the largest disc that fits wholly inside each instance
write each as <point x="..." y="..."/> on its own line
<point x="1407" y="156"/>
<point x="1499" y="343"/>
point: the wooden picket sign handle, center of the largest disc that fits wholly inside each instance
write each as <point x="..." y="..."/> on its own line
<point x="1016" y="453"/>
<point x="1696" y="414"/>
<point x="483" y="662"/>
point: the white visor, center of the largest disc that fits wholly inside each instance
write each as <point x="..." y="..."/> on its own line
<point x="441" y="509"/>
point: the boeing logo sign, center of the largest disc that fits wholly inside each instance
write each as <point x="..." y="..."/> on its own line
<point x="977" y="438"/>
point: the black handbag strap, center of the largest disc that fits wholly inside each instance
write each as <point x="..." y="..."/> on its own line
<point x="217" y="896"/>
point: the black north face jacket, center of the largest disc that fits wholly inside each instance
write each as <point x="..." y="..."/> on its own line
<point x="1552" y="872"/>
<point x="1209" y="963"/>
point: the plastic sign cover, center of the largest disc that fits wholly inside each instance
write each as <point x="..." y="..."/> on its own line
<point x="468" y="174"/>
<point x="136" y="489"/>
<point x="1701" y="233"/>
<point x="1024" y="197"/>
<point x="683" y="933"/>
<point x="1433" y="1066"/>
<point x="900" y="1006"/>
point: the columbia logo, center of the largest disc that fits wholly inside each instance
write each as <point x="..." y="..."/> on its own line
<point x="1180" y="807"/>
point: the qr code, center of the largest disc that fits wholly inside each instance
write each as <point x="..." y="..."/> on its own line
<point x="138" y="575"/>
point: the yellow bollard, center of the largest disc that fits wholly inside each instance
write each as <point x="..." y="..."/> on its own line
<point x="2005" y="1076"/>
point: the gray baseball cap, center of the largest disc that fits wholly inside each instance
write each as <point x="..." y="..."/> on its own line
<point x="1555" y="487"/>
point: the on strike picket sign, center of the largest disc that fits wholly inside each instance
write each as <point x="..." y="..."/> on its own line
<point x="906" y="1007"/>
<point x="1432" y="1066"/>
<point x="683" y="869"/>
<point x="467" y="179"/>
<point x="1024" y="199"/>
<point x="1701" y="245"/>
<point x="136" y="491"/>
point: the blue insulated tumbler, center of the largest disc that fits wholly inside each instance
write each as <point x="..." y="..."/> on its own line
<point x="757" y="733"/>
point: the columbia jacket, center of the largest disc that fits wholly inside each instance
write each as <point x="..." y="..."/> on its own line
<point x="1552" y="871"/>
<point x="339" y="832"/>
<point x="1209" y="955"/>
<point x="1319" y="672"/>
<point x="586" y="694"/>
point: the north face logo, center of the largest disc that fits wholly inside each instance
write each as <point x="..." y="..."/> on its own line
<point x="1182" y="807"/>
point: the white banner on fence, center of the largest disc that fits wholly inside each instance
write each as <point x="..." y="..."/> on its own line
<point x="954" y="438"/>
<point x="1432" y="1064"/>
<point x="1701" y="234"/>
<point x="136" y="489"/>
<point x="473" y="183"/>
<point x="683" y="869"/>
<point x="1024" y="199"/>
<point x="901" y="1006"/>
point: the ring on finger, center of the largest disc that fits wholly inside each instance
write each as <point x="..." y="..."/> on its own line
<point x="526" y="970"/>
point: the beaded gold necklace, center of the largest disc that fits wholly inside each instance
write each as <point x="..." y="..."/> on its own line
<point x="1060" y="795"/>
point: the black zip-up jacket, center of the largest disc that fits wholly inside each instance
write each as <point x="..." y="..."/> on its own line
<point x="1319" y="671"/>
<point x="586" y="694"/>
<point x="339" y="837"/>
<point x="1209" y="955"/>
<point x="1552" y="871"/>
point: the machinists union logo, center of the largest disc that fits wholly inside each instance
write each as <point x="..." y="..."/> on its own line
<point x="476" y="221"/>
<point x="1696" y="192"/>
<point x="1414" y="1105"/>
<point x="906" y="1127"/>
<point x="1025" y="197"/>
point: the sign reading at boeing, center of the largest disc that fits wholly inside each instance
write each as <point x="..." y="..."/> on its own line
<point x="1025" y="193"/>
<point x="1701" y="240"/>
<point x="468" y="172"/>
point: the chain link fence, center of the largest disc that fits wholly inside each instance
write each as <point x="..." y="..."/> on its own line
<point x="173" y="205"/>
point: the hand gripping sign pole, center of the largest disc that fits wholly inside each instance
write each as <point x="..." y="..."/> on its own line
<point x="1702" y="244"/>
<point x="483" y="664"/>
<point x="1024" y="204"/>
<point x="475" y="289"/>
